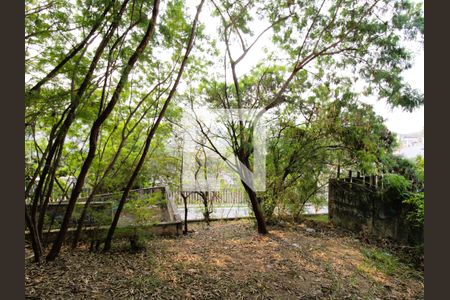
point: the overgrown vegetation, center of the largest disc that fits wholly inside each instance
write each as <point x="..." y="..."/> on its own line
<point x="407" y="186"/>
<point x="109" y="85"/>
<point x="387" y="263"/>
<point x="317" y="218"/>
<point x="417" y="201"/>
<point x="142" y="214"/>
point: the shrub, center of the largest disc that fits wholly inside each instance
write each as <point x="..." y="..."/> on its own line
<point x="141" y="209"/>
<point x="396" y="187"/>
<point x="417" y="201"/>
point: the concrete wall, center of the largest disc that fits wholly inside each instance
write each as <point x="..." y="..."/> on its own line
<point x="56" y="212"/>
<point x="167" y="220"/>
<point x="359" y="206"/>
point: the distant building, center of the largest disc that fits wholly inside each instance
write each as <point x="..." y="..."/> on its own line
<point x="411" y="144"/>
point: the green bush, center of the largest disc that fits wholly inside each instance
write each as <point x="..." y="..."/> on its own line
<point x="395" y="187"/>
<point x="417" y="200"/>
<point x="141" y="210"/>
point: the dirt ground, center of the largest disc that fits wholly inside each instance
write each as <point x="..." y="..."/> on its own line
<point x="230" y="260"/>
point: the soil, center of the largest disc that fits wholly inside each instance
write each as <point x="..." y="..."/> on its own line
<point x="227" y="260"/>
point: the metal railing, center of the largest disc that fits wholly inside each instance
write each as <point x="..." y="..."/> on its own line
<point x="223" y="197"/>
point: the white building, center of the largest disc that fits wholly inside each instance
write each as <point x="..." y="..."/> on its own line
<point x="411" y="144"/>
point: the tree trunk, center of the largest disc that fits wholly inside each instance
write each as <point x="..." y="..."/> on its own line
<point x="43" y="208"/>
<point x="80" y="222"/>
<point x="124" y="197"/>
<point x="35" y="241"/>
<point x="185" y="230"/>
<point x="105" y="173"/>
<point x="206" y="213"/>
<point x="256" y="207"/>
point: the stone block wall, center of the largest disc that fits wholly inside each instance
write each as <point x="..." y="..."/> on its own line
<point x="358" y="205"/>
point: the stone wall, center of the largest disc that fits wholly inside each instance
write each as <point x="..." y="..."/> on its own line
<point x="357" y="204"/>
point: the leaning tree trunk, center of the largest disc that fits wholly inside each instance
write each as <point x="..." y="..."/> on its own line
<point x="153" y="129"/>
<point x="110" y="166"/>
<point x="80" y="222"/>
<point x="257" y="210"/>
<point x="125" y="193"/>
<point x="93" y="139"/>
<point x="43" y="208"/>
<point x="206" y="212"/>
<point x="62" y="132"/>
<point x="256" y="206"/>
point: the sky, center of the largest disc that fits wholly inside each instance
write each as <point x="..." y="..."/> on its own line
<point x="397" y="120"/>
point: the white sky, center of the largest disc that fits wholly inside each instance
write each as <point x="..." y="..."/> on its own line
<point x="397" y="120"/>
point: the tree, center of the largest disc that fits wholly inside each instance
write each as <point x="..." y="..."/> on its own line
<point x="331" y="38"/>
<point x="98" y="95"/>
<point x="96" y="129"/>
<point x="60" y="128"/>
<point x="154" y="127"/>
<point x="310" y="138"/>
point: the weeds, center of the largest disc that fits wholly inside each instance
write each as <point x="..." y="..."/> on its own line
<point x="386" y="263"/>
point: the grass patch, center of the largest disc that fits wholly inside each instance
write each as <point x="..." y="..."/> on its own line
<point x="317" y="218"/>
<point x="337" y="283"/>
<point x="387" y="263"/>
<point x="381" y="260"/>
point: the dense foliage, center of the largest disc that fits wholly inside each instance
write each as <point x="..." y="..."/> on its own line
<point x="407" y="185"/>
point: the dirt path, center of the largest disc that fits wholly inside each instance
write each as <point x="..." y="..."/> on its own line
<point x="230" y="261"/>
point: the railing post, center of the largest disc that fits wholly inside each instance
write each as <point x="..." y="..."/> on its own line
<point x="350" y="178"/>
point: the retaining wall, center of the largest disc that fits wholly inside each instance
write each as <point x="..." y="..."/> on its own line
<point x="358" y="205"/>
